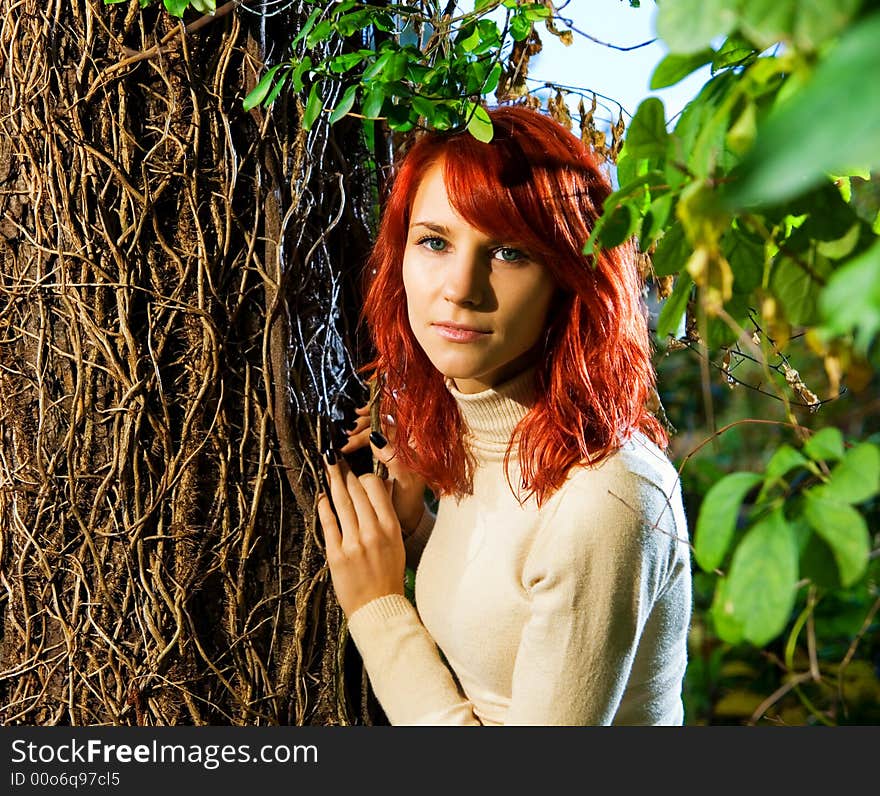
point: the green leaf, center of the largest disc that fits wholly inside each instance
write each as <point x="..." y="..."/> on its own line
<point x="397" y="66"/>
<point x="307" y="27"/>
<point x="375" y="98"/>
<point x="313" y="108"/>
<point x="445" y="115"/>
<point x="675" y="67"/>
<point x="655" y="220"/>
<point x="825" y="445"/>
<point x="259" y="92"/>
<point x="176" y="7"/>
<point x="205" y="6"/>
<point x="718" y="517"/>
<point x="647" y="136"/>
<point x="817" y="562"/>
<point x="382" y="21"/>
<point x="805" y="24"/>
<point x="674" y="306"/>
<point x="343" y="7"/>
<point x="711" y="150"/>
<point x="719" y="333"/>
<point x="688" y="26"/>
<point x="479" y="125"/>
<point x="425" y="107"/>
<point x="468" y="38"/>
<point x="851" y="299"/>
<point x="856" y="478"/>
<point x="376" y="68"/>
<point x="736" y="51"/>
<point x="491" y="82"/>
<point x="844" y="245"/>
<point x="746" y="257"/>
<point x="535" y="11"/>
<point x="342" y="63"/>
<point x="276" y="89"/>
<point x="672" y="251"/>
<point x="784" y="460"/>
<point x="489" y="36"/>
<point x="323" y="30"/>
<point x="345" y="104"/>
<point x="299" y="70"/>
<point x="703" y="112"/>
<point x="762" y="580"/>
<point x="520" y="27"/>
<point x="400" y="116"/>
<point x="727" y="626"/>
<point x="829" y="217"/>
<point x="349" y="23"/>
<point x="845" y="531"/>
<point x="617" y="226"/>
<point x="830" y="125"/>
<point x="796" y="288"/>
<point x="742" y="132"/>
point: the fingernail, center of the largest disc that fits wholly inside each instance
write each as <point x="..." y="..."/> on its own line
<point x="377" y="439"/>
<point x="351" y="426"/>
<point x="330" y="456"/>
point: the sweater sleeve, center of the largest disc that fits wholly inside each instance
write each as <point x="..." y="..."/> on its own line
<point x="412" y="682"/>
<point x="592" y="576"/>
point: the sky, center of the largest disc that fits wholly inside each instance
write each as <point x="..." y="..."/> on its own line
<point x="624" y="76"/>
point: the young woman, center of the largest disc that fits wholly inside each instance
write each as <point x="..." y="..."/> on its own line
<point x="553" y="585"/>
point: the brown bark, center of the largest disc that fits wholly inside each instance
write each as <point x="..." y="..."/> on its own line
<point x="169" y="320"/>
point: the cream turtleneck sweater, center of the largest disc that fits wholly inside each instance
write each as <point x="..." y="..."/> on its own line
<point x="576" y="614"/>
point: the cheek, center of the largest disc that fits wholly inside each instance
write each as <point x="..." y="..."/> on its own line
<point x="528" y="312"/>
<point x="414" y="290"/>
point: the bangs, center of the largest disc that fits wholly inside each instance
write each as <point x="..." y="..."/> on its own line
<point x="492" y="187"/>
<point x="523" y="196"/>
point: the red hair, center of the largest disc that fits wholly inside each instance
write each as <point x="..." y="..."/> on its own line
<point x="535" y="184"/>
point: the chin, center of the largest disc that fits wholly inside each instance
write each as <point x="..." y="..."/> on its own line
<point x="454" y="365"/>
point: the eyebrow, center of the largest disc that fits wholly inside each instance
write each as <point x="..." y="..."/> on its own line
<point x="435" y="227"/>
<point x="443" y="230"/>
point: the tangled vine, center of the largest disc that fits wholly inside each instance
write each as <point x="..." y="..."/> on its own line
<point x="175" y="339"/>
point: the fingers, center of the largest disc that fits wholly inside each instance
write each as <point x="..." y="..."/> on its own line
<point x="342" y="499"/>
<point x="363" y="504"/>
<point x="329" y="525"/>
<point x="357" y="436"/>
<point x="385" y="452"/>
<point x="359" y="433"/>
<point x="379" y="492"/>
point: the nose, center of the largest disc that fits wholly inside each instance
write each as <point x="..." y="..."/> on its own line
<point x="465" y="278"/>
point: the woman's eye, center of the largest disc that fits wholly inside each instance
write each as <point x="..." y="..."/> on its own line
<point x="510" y="255"/>
<point x="433" y="244"/>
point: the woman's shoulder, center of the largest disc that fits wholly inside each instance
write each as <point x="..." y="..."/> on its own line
<point x="637" y="484"/>
<point x="624" y="512"/>
<point x="638" y="459"/>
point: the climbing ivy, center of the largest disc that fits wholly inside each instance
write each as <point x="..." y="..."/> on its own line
<point x="743" y="206"/>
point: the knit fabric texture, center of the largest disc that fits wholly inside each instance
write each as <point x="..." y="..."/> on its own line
<point x="574" y="614"/>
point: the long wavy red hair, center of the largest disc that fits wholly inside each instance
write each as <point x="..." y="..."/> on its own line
<point x="536" y="184"/>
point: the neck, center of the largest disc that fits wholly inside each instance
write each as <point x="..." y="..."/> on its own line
<point x="491" y="415"/>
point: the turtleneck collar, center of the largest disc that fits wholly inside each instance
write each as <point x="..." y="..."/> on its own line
<point x="491" y="415"/>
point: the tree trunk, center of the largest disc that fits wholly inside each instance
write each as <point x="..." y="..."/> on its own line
<point x="175" y="329"/>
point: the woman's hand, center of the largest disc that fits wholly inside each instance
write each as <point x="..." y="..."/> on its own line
<point x="364" y="545"/>
<point x="409" y="487"/>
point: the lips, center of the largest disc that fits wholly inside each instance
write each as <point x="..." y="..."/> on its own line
<point x="459" y="333"/>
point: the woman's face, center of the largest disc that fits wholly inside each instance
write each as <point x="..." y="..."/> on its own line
<point x="455" y="275"/>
